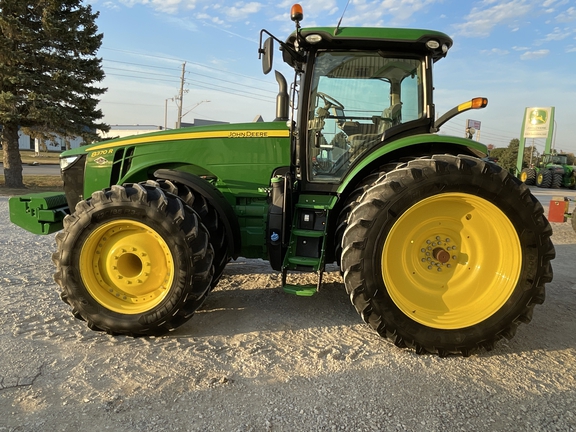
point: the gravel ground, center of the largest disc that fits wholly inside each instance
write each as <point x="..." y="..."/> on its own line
<point x="256" y="359"/>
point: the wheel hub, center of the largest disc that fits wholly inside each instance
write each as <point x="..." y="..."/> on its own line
<point x="438" y="253"/>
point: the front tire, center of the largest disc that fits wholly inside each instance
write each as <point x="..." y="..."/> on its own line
<point x="211" y="220"/>
<point x="528" y="176"/>
<point x="133" y="260"/>
<point x="447" y="255"/>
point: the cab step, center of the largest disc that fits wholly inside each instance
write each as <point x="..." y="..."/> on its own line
<point x="307" y="244"/>
<point x="305" y="290"/>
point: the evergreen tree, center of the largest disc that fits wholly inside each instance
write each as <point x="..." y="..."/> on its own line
<point x="48" y="71"/>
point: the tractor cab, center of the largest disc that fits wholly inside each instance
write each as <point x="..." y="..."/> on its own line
<point x="355" y="90"/>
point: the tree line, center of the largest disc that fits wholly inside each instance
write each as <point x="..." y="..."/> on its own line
<point x="506" y="157"/>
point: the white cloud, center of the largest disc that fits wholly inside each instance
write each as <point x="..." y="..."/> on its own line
<point x="167" y="6"/>
<point x="558" y="34"/>
<point x="480" y="21"/>
<point x="554" y="3"/>
<point x="568" y="15"/>
<point x="110" y="5"/>
<point x="184" y="23"/>
<point x="533" y="55"/>
<point x="242" y="10"/>
<point x="496" y="51"/>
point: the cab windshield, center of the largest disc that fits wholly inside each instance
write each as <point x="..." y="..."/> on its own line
<point x="355" y="98"/>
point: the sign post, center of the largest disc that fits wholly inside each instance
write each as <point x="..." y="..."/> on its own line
<point x="538" y="123"/>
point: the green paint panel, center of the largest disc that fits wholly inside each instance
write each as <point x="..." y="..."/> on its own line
<point x="242" y="157"/>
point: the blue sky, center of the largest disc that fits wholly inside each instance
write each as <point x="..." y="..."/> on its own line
<point x="518" y="54"/>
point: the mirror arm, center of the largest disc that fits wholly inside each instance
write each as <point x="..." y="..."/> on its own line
<point x="293" y="53"/>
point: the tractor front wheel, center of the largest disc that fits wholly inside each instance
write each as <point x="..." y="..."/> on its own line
<point x="528" y="176"/>
<point x="447" y="255"/>
<point x="133" y="260"/>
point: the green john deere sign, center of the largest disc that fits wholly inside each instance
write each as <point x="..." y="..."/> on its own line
<point x="537" y="122"/>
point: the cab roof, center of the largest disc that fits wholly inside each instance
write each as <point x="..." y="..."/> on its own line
<point x="382" y="38"/>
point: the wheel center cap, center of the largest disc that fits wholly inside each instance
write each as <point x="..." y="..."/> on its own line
<point x="441" y="255"/>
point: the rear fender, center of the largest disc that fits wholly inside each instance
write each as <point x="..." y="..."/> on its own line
<point x="214" y="198"/>
<point x="413" y="146"/>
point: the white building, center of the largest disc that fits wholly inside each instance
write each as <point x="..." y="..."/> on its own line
<point x="25" y="142"/>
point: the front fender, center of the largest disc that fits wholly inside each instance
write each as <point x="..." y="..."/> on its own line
<point x="215" y="198"/>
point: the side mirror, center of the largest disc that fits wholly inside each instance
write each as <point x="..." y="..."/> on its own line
<point x="268" y="55"/>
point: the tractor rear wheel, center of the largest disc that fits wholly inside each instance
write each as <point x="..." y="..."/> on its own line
<point x="133" y="260"/>
<point x="447" y="255"/>
<point x="544" y="179"/>
<point x="556" y="181"/>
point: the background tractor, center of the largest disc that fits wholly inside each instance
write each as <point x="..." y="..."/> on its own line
<point x="552" y="172"/>
<point x="439" y="250"/>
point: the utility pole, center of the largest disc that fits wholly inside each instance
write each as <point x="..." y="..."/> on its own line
<point x="181" y="96"/>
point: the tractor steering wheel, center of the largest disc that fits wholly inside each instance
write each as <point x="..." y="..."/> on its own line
<point x="330" y="101"/>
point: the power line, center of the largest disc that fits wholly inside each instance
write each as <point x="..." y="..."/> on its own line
<point x="180" y="61"/>
<point x="140" y="77"/>
<point x="232" y="82"/>
<point x="140" y="72"/>
<point x="140" y="64"/>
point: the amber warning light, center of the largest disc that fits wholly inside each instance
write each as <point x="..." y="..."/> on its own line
<point x="296" y="13"/>
<point x="475" y="103"/>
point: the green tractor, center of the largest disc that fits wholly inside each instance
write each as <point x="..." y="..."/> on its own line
<point x="440" y="251"/>
<point x="552" y="172"/>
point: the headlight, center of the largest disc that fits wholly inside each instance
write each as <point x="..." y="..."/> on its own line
<point x="313" y="38"/>
<point x="67" y="161"/>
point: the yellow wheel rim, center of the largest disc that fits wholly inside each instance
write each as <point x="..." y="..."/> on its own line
<point x="540" y="178"/>
<point x="523" y="176"/>
<point x="126" y="266"/>
<point x="451" y="261"/>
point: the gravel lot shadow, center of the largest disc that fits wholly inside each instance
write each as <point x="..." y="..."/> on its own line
<point x="269" y="309"/>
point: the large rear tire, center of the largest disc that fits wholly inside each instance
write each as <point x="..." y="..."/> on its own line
<point x="133" y="260"/>
<point x="447" y="255"/>
<point x="544" y="179"/>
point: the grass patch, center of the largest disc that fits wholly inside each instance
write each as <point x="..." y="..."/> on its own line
<point x="33" y="184"/>
<point x="44" y="158"/>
